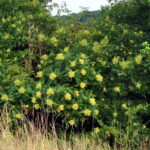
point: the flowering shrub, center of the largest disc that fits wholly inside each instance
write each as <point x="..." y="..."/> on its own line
<point x="100" y="72"/>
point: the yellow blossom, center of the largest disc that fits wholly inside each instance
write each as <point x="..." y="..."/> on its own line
<point x="104" y="90"/>
<point x="138" y="59"/>
<point x="8" y="50"/>
<point x="45" y="57"/>
<point x="85" y="32"/>
<point x="52" y="76"/>
<point x="87" y="112"/>
<point x="115" y="60"/>
<point x="60" y="108"/>
<point x="73" y="64"/>
<point x="92" y="101"/>
<point x="49" y="102"/>
<point x="81" y="61"/>
<point x="82" y="85"/>
<point x="124" y="64"/>
<point x="138" y="85"/>
<point x="75" y="106"/>
<point x="60" y="56"/>
<point x="71" y="122"/>
<point x="66" y="49"/>
<point x="4" y="97"/>
<point x="36" y="106"/>
<point x="38" y="94"/>
<point x="22" y="90"/>
<point x="83" y="42"/>
<point x="33" y="100"/>
<point x="39" y="74"/>
<point x="117" y="89"/>
<point x="41" y="37"/>
<point x="68" y="96"/>
<point x="71" y="74"/>
<point x="83" y="72"/>
<point x="124" y="106"/>
<point x="83" y="56"/>
<point x="115" y="114"/>
<point x="18" y="116"/>
<point x="50" y="91"/>
<point x="96" y="130"/>
<point x="39" y="85"/>
<point x="96" y="112"/>
<point x="99" y="78"/>
<point x="76" y="93"/>
<point x="17" y="82"/>
<point x="54" y="41"/>
<point x="96" y="47"/>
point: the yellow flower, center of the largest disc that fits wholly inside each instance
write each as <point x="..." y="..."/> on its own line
<point x="4" y="97"/>
<point x="54" y="41"/>
<point x="49" y="102"/>
<point x="17" y="82"/>
<point x="96" y="112"/>
<point x="96" y="130"/>
<point x="39" y="74"/>
<point x="138" y="85"/>
<point x="52" y="76"/>
<point x="115" y="114"/>
<point x="87" y="112"/>
<point x="85" y="32"/>
<point x="66" y="49"/>
<point x="131" y="41"/>
<point x="60" y="108"/>
<point x="73" y="64"/>
<point x="81" y="61"/>
<point x="41" y="37"/>
<point x="92" y="101"/>
<point x="82" y="85"/>
<point x="83" y="55"/>
<point x="83" y="42"/>
<point x="39" y="85"/>
<point x="50" y="91"/>
<point x="99" y="78"/>
<point x="76" y="93"/>
<point x="104" y="90"/>
<point x="124" y="106"/>
<point x="44" y="57"/>
<point x="38" y="94"/>
<point x="22" y="90"/>
<point x="115" y="60"/>
<point x="83" y="72"/>
<point x="71" y="74"/>
<point x="124" y="64"/>
<point x="117" y="89"/>
<point x="36" y="106"/>
<point x="75" y="106"/>
<point x="33" y="100"/>
<point x="60" y="56"/>
<point x="18" y="116"/>
<point x="68" y="96"/>
<point x="8" y="50"/>
<point x="138" y="59"/>
<point x="96" y="47"/>
<point x="71" y="122"/>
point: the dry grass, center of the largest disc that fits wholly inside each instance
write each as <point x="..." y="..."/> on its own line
<point x="35" y="140"/>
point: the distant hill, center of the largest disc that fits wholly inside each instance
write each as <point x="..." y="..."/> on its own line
<point x="83" y="16"/>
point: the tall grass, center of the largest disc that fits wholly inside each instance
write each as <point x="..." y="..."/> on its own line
<point x="27" y="137"/>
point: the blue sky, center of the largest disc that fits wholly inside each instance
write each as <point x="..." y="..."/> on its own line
<point x="74" y="5"/>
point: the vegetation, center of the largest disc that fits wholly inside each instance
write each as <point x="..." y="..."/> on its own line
<point x="91" y="73"/>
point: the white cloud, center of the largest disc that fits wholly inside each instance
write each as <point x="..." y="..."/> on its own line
<point x="74" y="5"/>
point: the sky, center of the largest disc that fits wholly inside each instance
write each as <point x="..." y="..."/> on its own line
<point x="75" y="5"/>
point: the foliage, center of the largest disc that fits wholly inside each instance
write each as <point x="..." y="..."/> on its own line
<point x="75" y="70"/>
